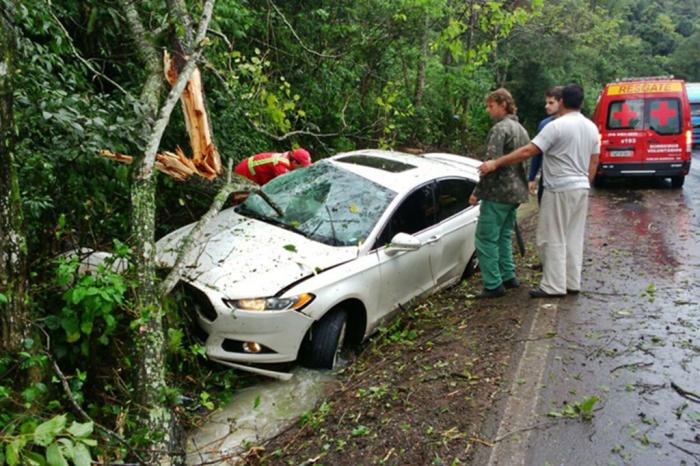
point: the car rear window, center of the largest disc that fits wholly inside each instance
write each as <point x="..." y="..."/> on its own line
<point x="695" y="110"/>
<point x="661" y="115"/>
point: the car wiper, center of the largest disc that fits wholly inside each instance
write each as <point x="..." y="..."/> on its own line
<point x="330" y="219"/>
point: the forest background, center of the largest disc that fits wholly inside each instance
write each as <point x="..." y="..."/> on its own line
<point x="327" y="76"/>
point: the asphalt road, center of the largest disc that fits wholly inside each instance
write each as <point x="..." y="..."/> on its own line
<point x="628" y="339"/>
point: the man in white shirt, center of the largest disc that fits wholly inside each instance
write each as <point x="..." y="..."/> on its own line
<point x="570" y="146"/>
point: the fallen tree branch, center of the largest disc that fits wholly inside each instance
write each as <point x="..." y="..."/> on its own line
<point x="694" y="397"/>
<point x="83" y="414"/>
<point x="636" y="365"/>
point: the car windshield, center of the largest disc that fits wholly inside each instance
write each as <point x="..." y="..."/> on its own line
<point x="323" y="202"/>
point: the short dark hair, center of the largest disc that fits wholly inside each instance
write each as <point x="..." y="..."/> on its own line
<point x="501" y="96"/>
<point x="554" y="92"/>
<point x="572" y="96"/>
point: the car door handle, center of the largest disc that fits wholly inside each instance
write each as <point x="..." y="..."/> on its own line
<point x="433" y="239"/>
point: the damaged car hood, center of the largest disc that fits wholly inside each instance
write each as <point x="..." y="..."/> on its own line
<point x="247" y="258"/>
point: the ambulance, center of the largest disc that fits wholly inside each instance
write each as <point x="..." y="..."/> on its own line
<point x="645" y="129"/>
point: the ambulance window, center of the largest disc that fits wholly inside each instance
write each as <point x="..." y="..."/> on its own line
<point x="626" y="114"/>
<point x="663" y="115"/>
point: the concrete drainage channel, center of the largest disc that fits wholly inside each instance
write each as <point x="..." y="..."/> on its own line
<point x="256" y="414"/>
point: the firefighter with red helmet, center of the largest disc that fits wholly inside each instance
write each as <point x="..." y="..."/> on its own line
<point x="263" y="167"/>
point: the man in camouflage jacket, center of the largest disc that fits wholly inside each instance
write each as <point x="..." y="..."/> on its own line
<point x="500" y="194"/>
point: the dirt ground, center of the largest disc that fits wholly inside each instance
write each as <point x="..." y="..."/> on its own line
<point x="420" y="390"/>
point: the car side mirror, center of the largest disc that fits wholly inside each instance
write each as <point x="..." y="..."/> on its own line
<point x="403" y="242"/>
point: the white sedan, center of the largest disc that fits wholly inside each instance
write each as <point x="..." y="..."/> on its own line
<point x="362" y="233"/>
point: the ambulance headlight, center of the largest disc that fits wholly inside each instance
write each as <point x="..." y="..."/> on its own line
<point x="270" y="304"/>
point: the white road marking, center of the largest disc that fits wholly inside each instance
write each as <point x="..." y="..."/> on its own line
<point x="519" y="413"/>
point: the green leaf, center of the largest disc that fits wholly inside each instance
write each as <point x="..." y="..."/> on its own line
<point x="78" y="429"/>
<point x="587" y="405"/>
<point x="33" y="459"/>
<point x="67" y="447"/>
<point x="47" y="431"/>
<point x="695" y="416"/>
<point x="89" y="442"/>
<point x="256" y="403"/>
<point x="3" y="299"/>
<point x="12" y="453"/>
<point x="82" y="455"/>
<point x="54" y="456"/>
<point x="290" y="247"/>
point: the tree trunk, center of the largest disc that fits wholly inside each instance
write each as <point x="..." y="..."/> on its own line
<point x="420" y="73"/>
<point x="13" y="282"/>
<point x="150" y="341"/>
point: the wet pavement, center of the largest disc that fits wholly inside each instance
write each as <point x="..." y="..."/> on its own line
<point x="631" y="339"/>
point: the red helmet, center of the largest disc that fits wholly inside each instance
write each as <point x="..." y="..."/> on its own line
<point x="301" y="156"/>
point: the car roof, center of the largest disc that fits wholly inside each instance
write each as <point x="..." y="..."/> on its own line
<point x="405" y="171"/>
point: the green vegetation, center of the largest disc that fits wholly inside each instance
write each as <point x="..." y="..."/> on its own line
<point x="329" y="77"/>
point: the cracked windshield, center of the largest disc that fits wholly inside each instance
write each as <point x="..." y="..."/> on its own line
<point x="323" y="202"/>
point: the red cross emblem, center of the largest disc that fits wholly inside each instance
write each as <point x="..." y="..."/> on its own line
<point x="625" y="115"/>
<point x="663" y="113"/>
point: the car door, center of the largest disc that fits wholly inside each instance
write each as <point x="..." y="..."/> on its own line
<point x="406" y="274"/>
<point x="455" y="230"/>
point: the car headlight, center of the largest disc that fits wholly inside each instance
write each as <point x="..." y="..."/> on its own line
<point x="270" y="304"/>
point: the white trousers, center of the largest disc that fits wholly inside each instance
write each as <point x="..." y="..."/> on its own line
<point x="560" y="231"/>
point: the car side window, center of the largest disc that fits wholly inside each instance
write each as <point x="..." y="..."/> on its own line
<point x="416" y="213"/>
<point x="452" y="197"/>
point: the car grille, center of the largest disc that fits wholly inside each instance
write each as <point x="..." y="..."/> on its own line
<point x="198" y="301"/>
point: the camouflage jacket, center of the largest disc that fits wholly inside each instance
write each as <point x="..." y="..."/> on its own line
<point x="507" y="185"/>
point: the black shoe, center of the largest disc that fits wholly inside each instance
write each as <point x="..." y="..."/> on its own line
<point x="494" y="293"/>
<point x="568" y="291"/>
<point x="539" y="293"/>
<point x="512" y="283"/>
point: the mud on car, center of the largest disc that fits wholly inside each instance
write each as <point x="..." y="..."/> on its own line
<point x="360" y="234"/>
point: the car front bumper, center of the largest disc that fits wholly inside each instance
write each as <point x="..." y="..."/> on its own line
<point x="280" y="334"/>
<point x="643" y="169"/>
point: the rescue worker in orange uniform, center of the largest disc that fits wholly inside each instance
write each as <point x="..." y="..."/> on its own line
<point x="263" y="167"/>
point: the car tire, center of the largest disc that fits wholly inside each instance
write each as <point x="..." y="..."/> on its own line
<point x="677" y="181"/>
<point x="325" y="341"/>
<point x="471" y="268"/>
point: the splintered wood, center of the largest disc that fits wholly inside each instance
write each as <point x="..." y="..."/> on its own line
<point x="205" y="161"/>
<point x="205" y="156"/>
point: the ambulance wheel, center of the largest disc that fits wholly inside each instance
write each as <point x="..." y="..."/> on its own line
<point x="322" y="346"/>
<point x="677" y="181"/>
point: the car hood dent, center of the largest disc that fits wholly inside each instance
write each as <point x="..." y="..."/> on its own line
<point x="246" y="258"/>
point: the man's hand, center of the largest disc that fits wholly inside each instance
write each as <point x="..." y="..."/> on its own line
<point x="532" y="186"/>
<point x="487" y="167"/>
<point x="473" y="200"/>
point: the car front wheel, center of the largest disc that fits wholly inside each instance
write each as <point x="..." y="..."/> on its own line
<point x="322" y="347"/>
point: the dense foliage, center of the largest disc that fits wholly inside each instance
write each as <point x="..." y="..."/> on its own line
<point x="328" y="76"/>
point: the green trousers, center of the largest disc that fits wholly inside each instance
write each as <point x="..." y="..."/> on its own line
<point x="494" y="243"/>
